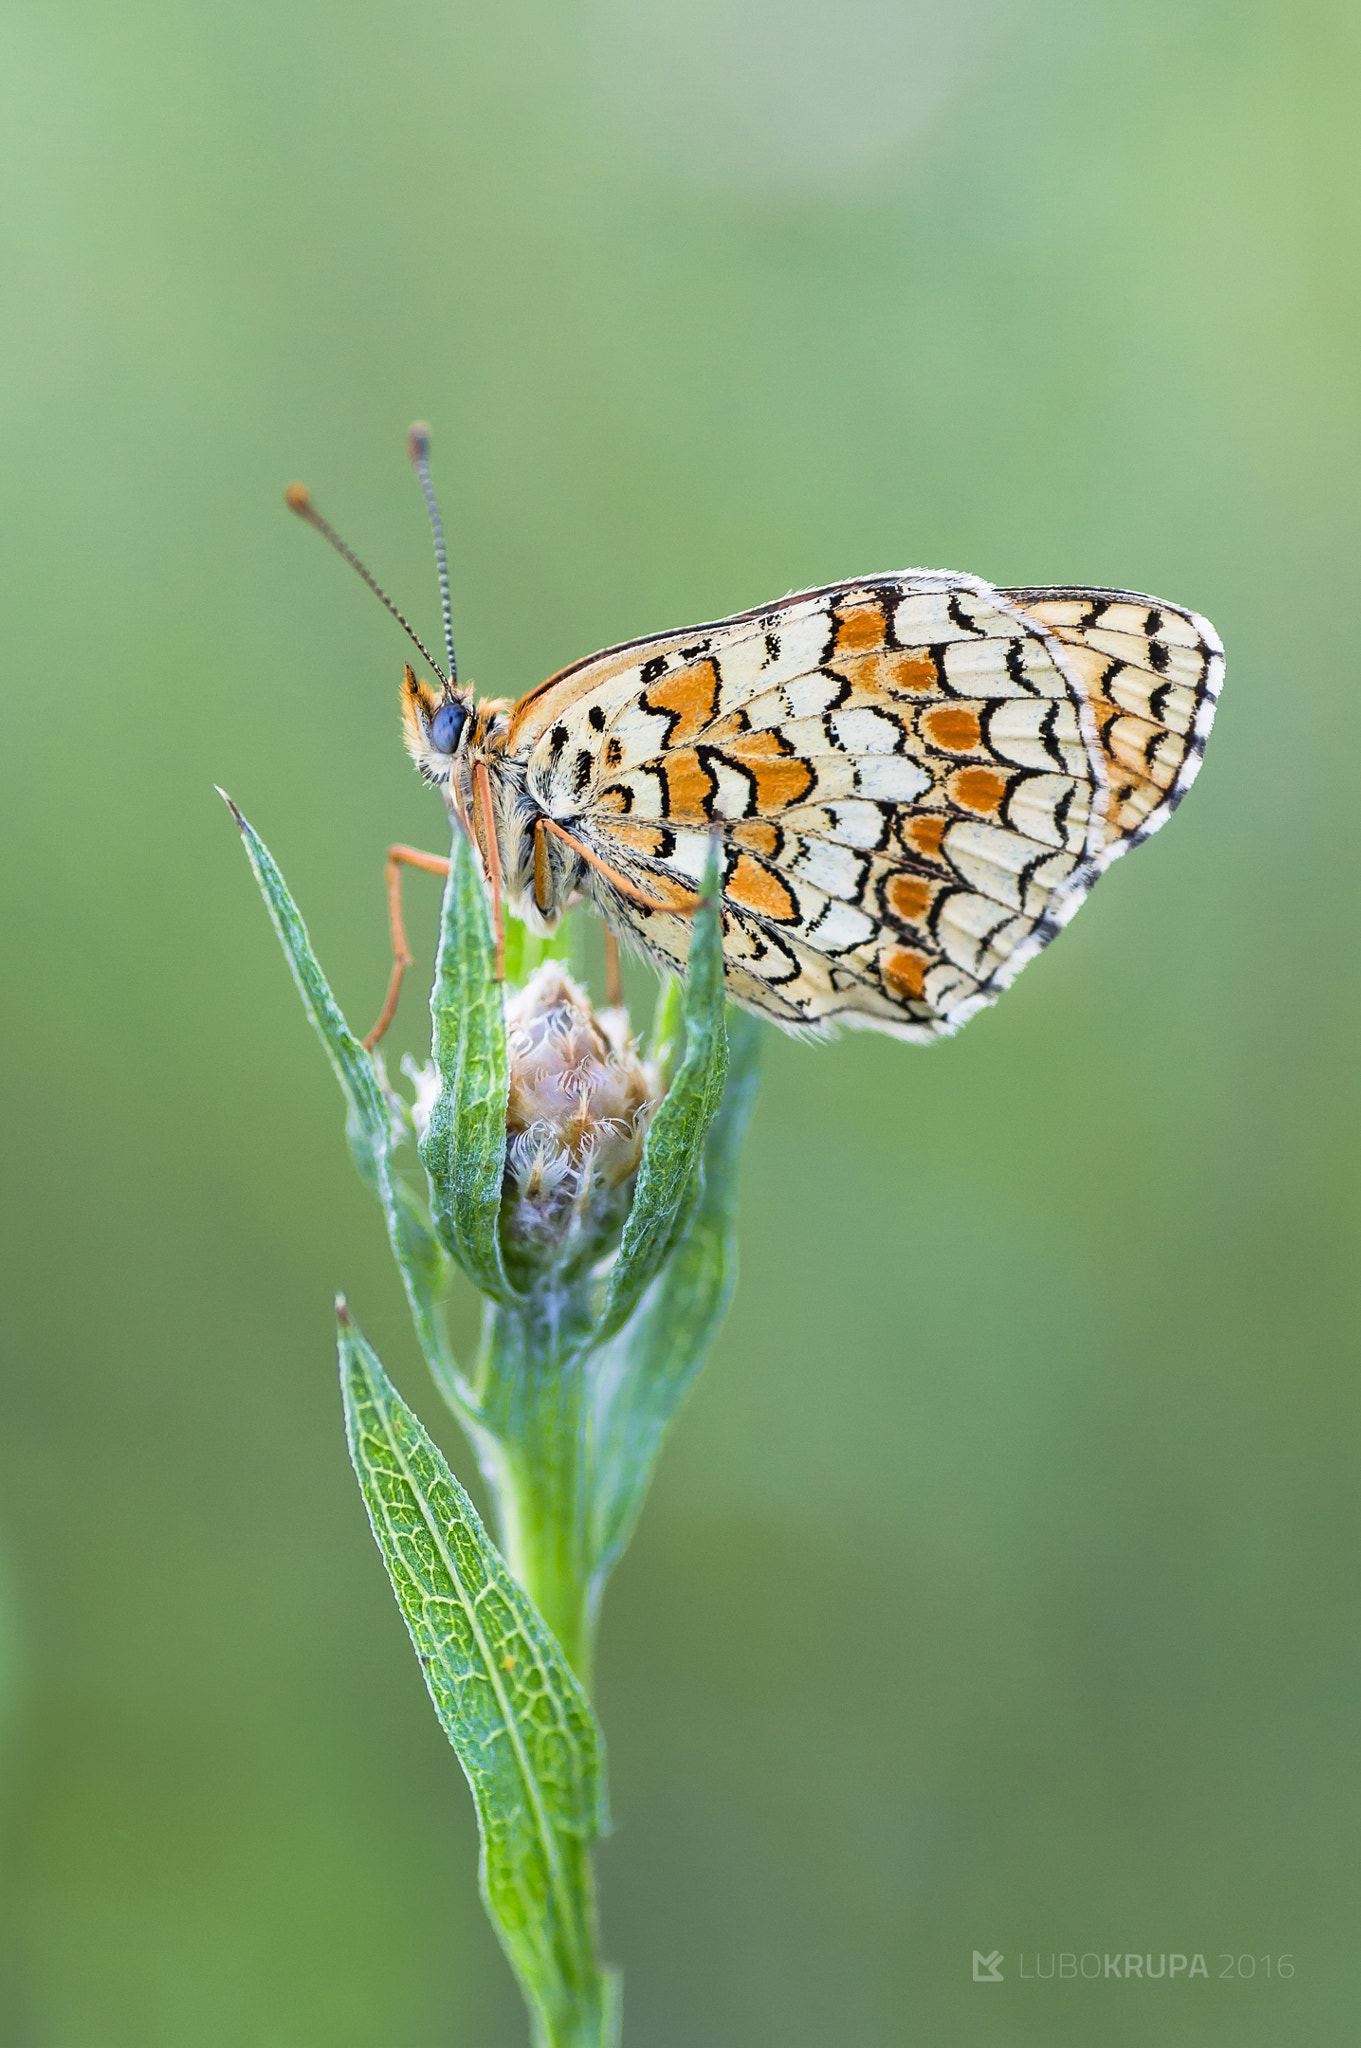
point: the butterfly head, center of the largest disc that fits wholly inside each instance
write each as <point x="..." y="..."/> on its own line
<point x="439" y="725"/>
<point x="448" y="725"/>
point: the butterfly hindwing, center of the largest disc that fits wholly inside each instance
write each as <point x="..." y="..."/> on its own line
<point x="1151" y="673"/>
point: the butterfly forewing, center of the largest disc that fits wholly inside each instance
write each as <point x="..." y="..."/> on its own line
<point x="916" y="778"/>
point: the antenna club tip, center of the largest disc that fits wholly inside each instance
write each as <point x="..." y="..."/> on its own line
<point x="298" y="499"/>
<point x="418" y="441"/>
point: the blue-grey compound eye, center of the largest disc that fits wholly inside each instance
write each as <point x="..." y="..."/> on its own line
<point x="446" y="727"/>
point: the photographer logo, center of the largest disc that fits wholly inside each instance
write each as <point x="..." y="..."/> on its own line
<point x="1070" y="1967"/>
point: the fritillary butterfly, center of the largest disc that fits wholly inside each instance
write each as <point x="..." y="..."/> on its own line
<point x="914" y="779"/>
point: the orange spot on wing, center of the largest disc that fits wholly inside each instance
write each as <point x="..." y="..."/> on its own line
<point x="953" y="727"/>
<point x="910" y="674"/>
<point x="925" y="832"/>
<point x="691" y="694"/>
<point x="978" y="789"/>
<point x="674" y="894"/>
<point x="859" y="628"/>
<point x="633" y="833"/>
<point x="910" y="895"/>
<point x="757" y="836"/>
<point x="892" y="676"/>
<point x="689" y="785"/>
<point x="904" y="972"/>
<point x="756" y="888"/>
<point x="782" y="777"/>
<point x="726" y="729"/>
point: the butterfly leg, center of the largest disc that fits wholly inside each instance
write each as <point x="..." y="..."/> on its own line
<point x="614" y="981"/>
<point x="680" y="908"/>
<point x="398" y="858"/>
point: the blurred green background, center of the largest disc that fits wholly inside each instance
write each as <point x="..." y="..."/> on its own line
<point x="999" y="1586"/>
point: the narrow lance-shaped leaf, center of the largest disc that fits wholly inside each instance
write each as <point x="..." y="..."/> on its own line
<point x="519" y="1722"/>
<point x="368" y="1124"/>
<point x="465" y="1146"/>
<point x="651" y="1365"/>
<point x="668" y="1177"/>
<point x="370" y="1130"/>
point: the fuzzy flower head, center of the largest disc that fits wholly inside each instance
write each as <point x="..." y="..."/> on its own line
<point x="580" y="1104"/>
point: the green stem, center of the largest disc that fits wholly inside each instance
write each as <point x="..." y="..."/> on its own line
<point x="533" y="1445"/>
<point x="536" y="1456"/>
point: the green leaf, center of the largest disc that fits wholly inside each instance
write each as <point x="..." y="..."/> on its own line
<point x="668" y="1177"/>
<point x="368" y="1127"/>
<point x="368" y="1123"/>
<point x="649" y="1368"/>
<point x="464" y="1149"/>
<point x="521" y="1725"/>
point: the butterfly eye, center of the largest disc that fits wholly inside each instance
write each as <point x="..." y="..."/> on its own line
<point x="446" y="727"/>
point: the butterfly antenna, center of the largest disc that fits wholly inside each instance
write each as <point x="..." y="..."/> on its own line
<point x="298" y="499"/>
<point x="418" y="448"/>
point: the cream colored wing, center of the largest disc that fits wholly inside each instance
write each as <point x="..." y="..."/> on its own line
<point x="1151" y="674"/>
<point x="916" y="779"/>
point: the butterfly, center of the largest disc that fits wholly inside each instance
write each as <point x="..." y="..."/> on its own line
<point x="913" y="780"/>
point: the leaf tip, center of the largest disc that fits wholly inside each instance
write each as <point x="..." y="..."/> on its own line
<point x="342" y="1312"/>
<point x="232" y="808"/>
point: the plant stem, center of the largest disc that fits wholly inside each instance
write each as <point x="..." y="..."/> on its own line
<point x="536" y="1457"/>
<point x="533" y="1445"/>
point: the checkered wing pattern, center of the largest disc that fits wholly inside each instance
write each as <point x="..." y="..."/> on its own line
<point x="916" y="779"/>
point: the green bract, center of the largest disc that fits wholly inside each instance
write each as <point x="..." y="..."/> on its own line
<point x="594" y="1330"/>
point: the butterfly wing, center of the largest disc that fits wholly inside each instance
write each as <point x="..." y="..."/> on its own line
<point x="916" y="779"/>
<point x="1151" y="673"/>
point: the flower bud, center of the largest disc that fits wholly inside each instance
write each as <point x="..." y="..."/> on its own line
<point x="579" y="1107"/>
